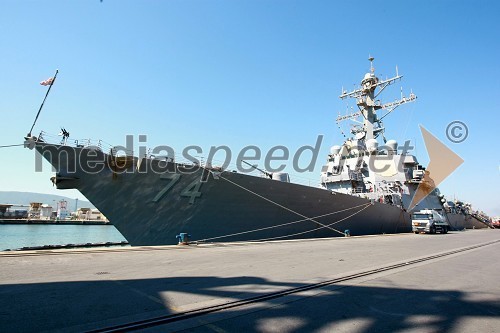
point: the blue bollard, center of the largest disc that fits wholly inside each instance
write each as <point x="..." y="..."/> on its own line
<point x="183" y="238"/>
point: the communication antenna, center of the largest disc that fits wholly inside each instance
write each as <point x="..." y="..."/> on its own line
<point x="368" y="104"/>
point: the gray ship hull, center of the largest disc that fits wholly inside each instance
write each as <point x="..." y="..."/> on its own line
<point x="459" y="221"/>
<point x="472" y="222"/>
<point x="456" y="221"/>
<point x="150" y="202"/>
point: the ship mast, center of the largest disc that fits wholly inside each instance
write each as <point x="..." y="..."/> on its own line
<point x="368" y="104"/>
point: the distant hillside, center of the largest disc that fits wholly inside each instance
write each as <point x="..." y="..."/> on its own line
<point x="24" y="198"/>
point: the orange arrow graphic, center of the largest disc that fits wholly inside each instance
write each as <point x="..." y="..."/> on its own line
<point x="442" y="163"/>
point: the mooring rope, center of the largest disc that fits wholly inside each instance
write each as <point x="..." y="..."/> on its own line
<point x="304" y="232"/>
<point x="279" y="205"/>
<point x="283" y="224"/>
<point x="7" y="146"/>
<point x="305" y="218"/>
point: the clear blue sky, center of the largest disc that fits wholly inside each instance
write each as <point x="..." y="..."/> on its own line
<point x="248" y="72"/>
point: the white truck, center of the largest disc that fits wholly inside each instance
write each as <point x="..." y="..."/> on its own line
<point x="429" y="221"/>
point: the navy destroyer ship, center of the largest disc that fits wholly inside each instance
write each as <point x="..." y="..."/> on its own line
<point x="461" y="216"/>
<point x="366" y="186"/>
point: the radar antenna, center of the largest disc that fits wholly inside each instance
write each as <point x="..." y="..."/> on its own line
<point x="365" y="96"/>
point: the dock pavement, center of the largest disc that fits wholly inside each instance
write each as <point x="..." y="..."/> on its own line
<point x="384" y="283"/>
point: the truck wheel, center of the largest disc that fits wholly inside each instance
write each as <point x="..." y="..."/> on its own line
<point x="445" y="230"/>
<point x="432" y="230"/>
<point x="416" y="232"/>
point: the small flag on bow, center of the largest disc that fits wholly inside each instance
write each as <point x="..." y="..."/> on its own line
<point x="47" y="82"/>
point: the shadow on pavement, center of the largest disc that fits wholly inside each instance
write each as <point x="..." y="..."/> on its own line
<point x="80" y="305"/>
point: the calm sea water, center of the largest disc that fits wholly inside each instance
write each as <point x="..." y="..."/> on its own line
<point x="14" y="236"/>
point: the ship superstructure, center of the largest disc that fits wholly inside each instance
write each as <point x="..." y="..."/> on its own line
<point x="362" y="166"/>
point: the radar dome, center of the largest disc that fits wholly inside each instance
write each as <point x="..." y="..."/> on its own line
<point x="371" y="145"/>
<point x="368" y="76"/>
<point x="392" y="145"/>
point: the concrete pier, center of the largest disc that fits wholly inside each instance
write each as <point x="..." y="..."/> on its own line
<point x="65" y="222"/>
<point x="93" y="289"/>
